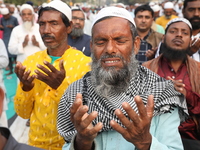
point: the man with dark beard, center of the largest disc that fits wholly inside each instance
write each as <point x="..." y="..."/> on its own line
<point x="77" y="38"/>
<point x="119" y="104"/>
<point x="174" y="64"/>
<point x="191" y="11"/>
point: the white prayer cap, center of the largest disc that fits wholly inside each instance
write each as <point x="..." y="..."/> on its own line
<point x="121" y="5"/>
<point x="12" y="5"/>
<point x="179" y="20"/>
<point x="137" y="4"/>
<point x="180" y="2"/>
<point x="115" y="12"/>
<point x="168" y="5"/>
<point x="44" y="4"/>
<point x="76" y="8"/>
<point x="3" y="5"/>
<point x="61" y="7"/>
<point x="4" y="11"/>
<point x="155" y="8"/>
<point x="26" y="6"/>
<point x="151" y="4"/>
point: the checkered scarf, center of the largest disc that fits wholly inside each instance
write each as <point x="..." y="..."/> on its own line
<point x="144" y="83"/>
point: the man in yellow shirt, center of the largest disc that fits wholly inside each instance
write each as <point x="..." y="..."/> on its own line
<point x="45" y="75"/>
<point x="168" y="10"/>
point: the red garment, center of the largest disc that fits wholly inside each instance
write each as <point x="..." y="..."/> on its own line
<point x="188" y="128"/>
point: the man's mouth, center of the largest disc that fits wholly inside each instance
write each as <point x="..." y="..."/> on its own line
<point x="111" y="61"/>
<point x="177" y="41"/>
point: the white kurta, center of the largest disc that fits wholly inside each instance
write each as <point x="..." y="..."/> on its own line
<point x="17" y="37"/>
<point x="3" y="64"/>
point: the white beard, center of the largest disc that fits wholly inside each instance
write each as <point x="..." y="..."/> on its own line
<point x="28" y="25"/>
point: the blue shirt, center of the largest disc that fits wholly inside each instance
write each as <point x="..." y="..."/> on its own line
<point x="81" y="43"/>
<point x="7" y="31"/>
<point x="164" y="131"/>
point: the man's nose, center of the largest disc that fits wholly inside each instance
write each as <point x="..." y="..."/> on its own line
<point x="110" y="47"/>
<point x="47" y="28"/>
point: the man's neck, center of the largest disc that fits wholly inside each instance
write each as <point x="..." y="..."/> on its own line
<point x="3" y="141"/>
<point x="59" y="51"/>
<point x="142" y="34"/>
<point x="176" y="64"/>
<point x="74" y="37"/>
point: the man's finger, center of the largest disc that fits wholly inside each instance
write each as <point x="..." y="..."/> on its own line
<point x="141" y="108"/>
<point x="44" y="69"/>
<point x="77" y="103"/>
<point x="61" y="65"/>
<point x="50" y="66"/>
<point x="150" y="106"/>
<point x="125" y="121"/>
<point x="117" y="127"/>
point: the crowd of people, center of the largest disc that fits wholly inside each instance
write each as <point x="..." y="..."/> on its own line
<point x="116" y="77"/>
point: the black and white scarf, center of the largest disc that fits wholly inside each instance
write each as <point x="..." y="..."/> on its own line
<point x="144" y="83"/>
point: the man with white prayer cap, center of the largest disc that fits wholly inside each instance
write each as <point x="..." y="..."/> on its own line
<point x="8" y="22"/>
<point x="168" y="10"/>
<point x="156" y="8"/>
<point x="175" y="64"/>
<point x="45" y="75"/>
<point x="25" y="39"/>
<point x="102" y="112"/>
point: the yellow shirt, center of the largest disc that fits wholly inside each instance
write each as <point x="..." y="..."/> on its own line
<point x="163" y="21"/>
<point x="41" y="103"/>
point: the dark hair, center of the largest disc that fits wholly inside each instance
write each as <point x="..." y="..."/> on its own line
<point x="186" y="2"/>
<point x="63" y="17"/>
<point x="144" y="8"/>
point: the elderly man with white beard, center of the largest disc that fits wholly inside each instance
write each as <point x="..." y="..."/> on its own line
<point x="25" y="38"/>
<point x="119" y="105"/>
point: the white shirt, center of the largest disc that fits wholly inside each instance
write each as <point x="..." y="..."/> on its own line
<point x="196" y="56"/>
<point x="17" y="37"/>
<point x="3" y="64"/>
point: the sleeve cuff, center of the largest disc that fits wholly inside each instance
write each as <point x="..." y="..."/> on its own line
<point x="73" y="140"/>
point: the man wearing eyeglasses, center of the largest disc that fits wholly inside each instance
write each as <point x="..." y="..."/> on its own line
<point x="77" y="38"/>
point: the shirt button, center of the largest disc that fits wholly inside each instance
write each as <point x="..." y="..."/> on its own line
<point x="49" y="90"/>
<point x="172" y="69"/>
<point x="173" y="77"/>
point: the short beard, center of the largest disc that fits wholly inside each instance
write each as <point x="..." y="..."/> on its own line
<point x="174" y="54"/>
<point x="76" y="32"/>
<point x="27" y="25"/>
<point x="111" y="81"/>
<point x="195" y="25"/>
<point x="167" y="17"/>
